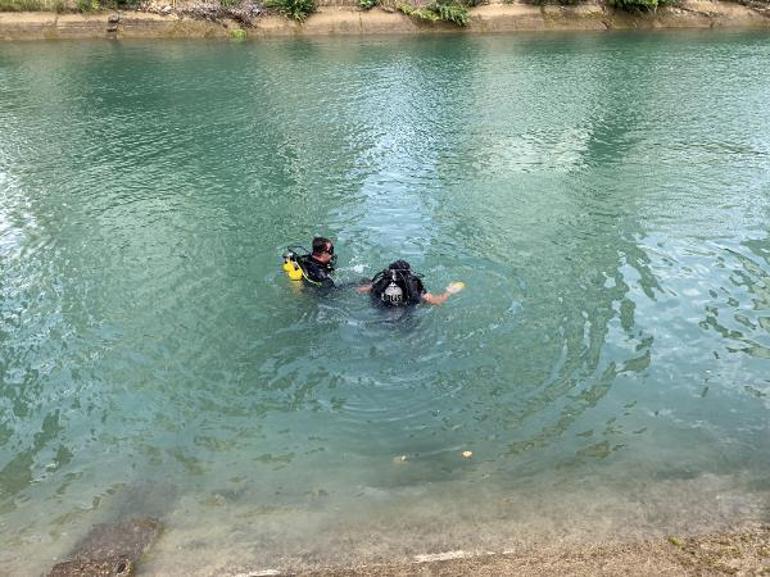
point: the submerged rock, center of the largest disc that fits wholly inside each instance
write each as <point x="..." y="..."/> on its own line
<point x="116" y="567"/>
<point x="110" y="550"/>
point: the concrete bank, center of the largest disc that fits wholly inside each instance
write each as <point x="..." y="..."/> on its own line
<point x="351" y="21"/>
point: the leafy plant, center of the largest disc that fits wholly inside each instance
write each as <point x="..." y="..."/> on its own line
<point x="419" y="13"/>
<point x="238" y="34"/>
<point x="452" y="12"/>
<point x="297" y="10"/>
<point x="636" y="5"/>
<point x="368" y="4"/>
<point x="87" y="5"/>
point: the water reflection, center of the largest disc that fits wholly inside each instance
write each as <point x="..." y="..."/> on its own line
<point x="751" y="277"/>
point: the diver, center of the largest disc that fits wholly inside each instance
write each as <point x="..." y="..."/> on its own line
<point x="398" y="286"/>
<point x="314" y="268"/>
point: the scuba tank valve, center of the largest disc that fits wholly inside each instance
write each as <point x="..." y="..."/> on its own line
<point x="393" y="294"/>
<point x="291" y="266"/>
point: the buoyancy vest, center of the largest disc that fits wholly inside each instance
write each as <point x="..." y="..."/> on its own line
<point x="397" y="287"/>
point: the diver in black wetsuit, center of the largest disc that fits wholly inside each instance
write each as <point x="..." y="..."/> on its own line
<point x="399" y="286"/>
<point x="318" y="266"/>
<point x="315" y="268"/>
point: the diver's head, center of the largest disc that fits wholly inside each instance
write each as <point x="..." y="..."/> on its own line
<point x="401" y="265"/>
<point x="323" y="250"/>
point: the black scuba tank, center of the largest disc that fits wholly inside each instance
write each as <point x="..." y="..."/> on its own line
<point x="390" y="288"/>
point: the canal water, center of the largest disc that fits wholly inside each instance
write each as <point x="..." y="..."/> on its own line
<point x="605" y="198"/>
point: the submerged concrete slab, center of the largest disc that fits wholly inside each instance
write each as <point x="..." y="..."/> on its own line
<point x="110" y="550"/>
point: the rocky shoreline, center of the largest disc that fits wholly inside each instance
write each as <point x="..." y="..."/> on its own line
<point x="345" y="20"/>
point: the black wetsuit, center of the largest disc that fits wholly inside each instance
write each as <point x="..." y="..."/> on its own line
<point x="316" y="273"/>
<point x="410" y="284"/>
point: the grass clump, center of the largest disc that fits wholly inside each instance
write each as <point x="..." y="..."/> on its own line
<point x="61" y="6"/>
<point x="419" y="13"/>
<point x="32" y="6"/>
<point x="238" y="34"/>
<point x="21" y="5"/>
<point x="367" y="4"/>
<point x="555" y="2"/>
<point x="640" y="5"/>
<point x="453" y="12"/>
<point x="87" y="5"/>
<point x="297" y="10"/>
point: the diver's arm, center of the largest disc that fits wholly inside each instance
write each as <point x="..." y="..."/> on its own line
<point x="432" y="299"/>
<point x="452" y="289"/>
<point x="364" y="288"/>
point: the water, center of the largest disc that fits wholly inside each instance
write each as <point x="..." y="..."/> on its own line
<point x="606" y="198"/>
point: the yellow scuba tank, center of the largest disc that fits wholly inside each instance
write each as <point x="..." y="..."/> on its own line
<point x="291" y="266"/>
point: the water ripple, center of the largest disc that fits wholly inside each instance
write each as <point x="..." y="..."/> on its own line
<point x="613" y="242"/>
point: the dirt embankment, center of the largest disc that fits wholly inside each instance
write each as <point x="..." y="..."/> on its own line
<point x="349" y="20"/>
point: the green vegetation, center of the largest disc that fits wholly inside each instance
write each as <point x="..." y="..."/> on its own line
<point x="626" y="5"/>
<point x="32" y="6"/>
<point x="96" y="5"/>
<point x="675" y="541"/>
<point x="418" y="13"/>
<point x="368" y="4"/>
<point x="440" y="11"/>
<point x="295" y="9"/>
<point x="21" y="5"/>
<point x="454" y="13"/>
<point x="557" y="2"/>
<point x="60" y="6"/>
<point x="238" y="34"/>
<point x="87" y="5"/>
<point x="640" y="5"/>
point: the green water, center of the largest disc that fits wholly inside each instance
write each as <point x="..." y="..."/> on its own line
<point x="606" y="198"/>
